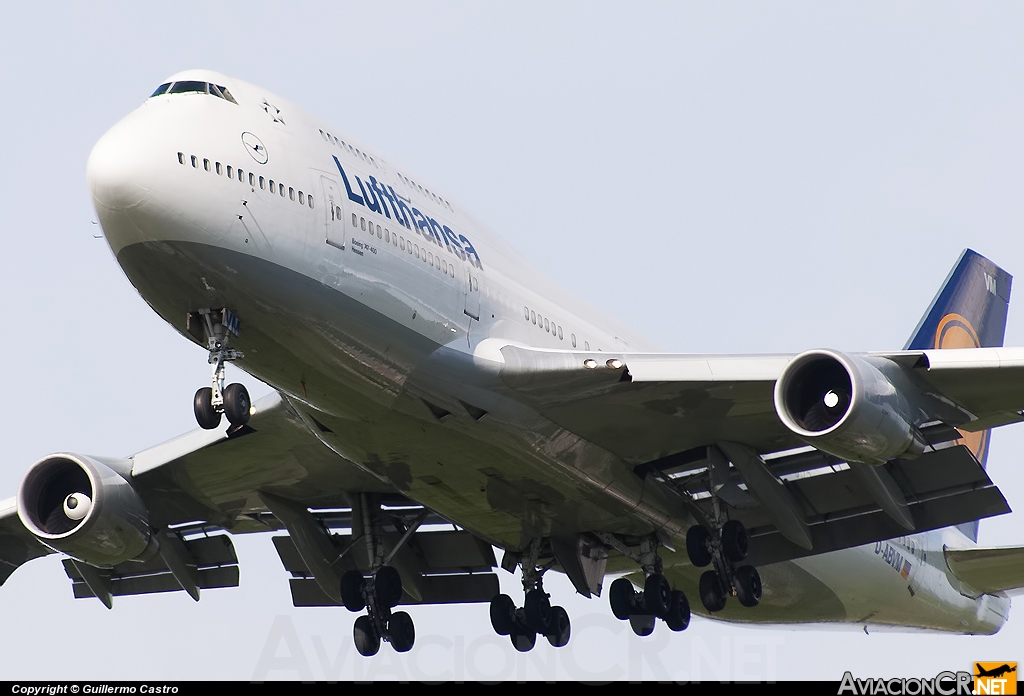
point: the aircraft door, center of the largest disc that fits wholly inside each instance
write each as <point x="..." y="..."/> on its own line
<point x="334" y="217"/>
<point x="472" y="295"/>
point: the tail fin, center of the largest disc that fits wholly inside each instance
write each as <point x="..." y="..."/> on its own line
<point x="968" y="312"/>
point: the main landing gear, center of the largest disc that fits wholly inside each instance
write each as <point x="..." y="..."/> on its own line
<point x="378" y="594"/>
<point x="536" y="617"/>
<point x="657" y="600"/>
<point x="725" y="548"/>
<point x="217" y="326"/>
<point x="382" y="591"/>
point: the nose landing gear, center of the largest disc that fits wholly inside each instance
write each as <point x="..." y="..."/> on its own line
<point x="217" y="326"/>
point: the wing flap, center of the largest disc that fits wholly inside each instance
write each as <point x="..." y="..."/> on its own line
<point x="989" y="570"/>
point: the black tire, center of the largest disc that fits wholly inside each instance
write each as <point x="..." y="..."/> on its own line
<point x="237" y="404"/>
<point x="748" y="586"/>
<point x="620" y="596"/>
<point x="642" y="624"/>
<point x="401" y="631"/>
<point x="352" y="591"/>
<point x="698" y="547"/>
<point x="735" y="541"/>
<point x="365" y="636"/>
<point x="657" y="594"/>
<point x="503" y="614"/>
<point x="711" y="594"/>
<point x="538" y="611"/>
<point x="678" y="616"/>
<point x="206" y="416"/>
<point x="387" y="585"/>
<point x="559" y="628"/>
<point x="523" y="639"/>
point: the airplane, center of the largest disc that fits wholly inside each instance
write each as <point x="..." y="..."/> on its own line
<point x="435" y="398"/>
<point x="996" y="671"/>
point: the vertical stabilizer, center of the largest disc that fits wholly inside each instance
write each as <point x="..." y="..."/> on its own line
<point x="969" y="311"/>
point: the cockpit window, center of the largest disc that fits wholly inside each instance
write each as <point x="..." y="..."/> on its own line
<point x="188" y="86"/>
<point x="191" y="86"/>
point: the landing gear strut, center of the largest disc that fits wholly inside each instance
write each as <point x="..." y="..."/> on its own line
<point x="536" y="617"/>
<point x="379" y="593"/>
<point x="725" y="549"/>
<point x="217" y="326"/>
<point x="656" y="601"/>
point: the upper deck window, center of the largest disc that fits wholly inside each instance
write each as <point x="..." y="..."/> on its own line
<point x="194" y="86"/>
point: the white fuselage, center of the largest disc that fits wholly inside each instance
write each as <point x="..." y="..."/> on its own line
<point x="365" y="294"/>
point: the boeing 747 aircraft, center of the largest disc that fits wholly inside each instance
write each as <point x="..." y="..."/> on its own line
<point x="435" y="398"/>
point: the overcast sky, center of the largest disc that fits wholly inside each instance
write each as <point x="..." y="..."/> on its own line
<point x="728" y="177"/>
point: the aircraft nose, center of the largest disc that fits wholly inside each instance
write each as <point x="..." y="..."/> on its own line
<point x="117" y="168"/>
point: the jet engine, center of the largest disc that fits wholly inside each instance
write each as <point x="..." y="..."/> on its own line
<point x="86" y="508"/>
<point x="847" y="406"/>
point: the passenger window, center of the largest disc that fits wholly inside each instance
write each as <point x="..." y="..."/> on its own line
<point x="444" y="266"/>
<point x="206" y="164"/>
<point x="379" y="236"/>
<point x="586" y="345"/>
<point x="355" y="223"/>
<point x="230" y="173"/>
<point x="559" y="333"/>
<point x="280" y="190"/>
<point x="475" y="285"/>
<point x="218" y="168"/>
<point x="387" y="237"/>
<point x="291" y="193"/>
<point x="309" y="199"/>
<point x="262" y="183"/>
<point x="533" y="316"/>
<point x="301" y="198"/>
<point x="430" y="258"/>
<point x="401" y="243"/>
<point x="337" y="211"/>
<point x="362" y="224"/>
<point x="526" y="311"/>
<point x="252" y="179"/>
<point x="273" y="189"/>
<point x="573" y="337"/>
<point x="194" y="161"/>
<point x="416" y="248"/>
<point x="181" y="158"/>
<point x="547" y="326"/>
<point x="241" y="176"/>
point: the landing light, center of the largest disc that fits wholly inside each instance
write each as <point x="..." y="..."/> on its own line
<point x="590" y="364"/>
<point x="614" y="364"/>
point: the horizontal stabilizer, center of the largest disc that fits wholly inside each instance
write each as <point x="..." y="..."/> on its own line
<point x="989" y="570"/>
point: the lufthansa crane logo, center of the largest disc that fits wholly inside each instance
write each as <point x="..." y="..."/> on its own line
<point x="955" y="331"/>
<point x="255" y="147"/>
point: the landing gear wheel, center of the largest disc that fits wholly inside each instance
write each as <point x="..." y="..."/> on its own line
<point x="698" y="546"/>
<point x="559" y="628"/>
<point x="237" y="404"/>
<point x="401" y="631"/>
<point x="657" y="593"/>
<point x="678" y="616"/>
<point x="352" y="591"/>
<point x="206" y="416"/>
<point x="642" y="624"/>
<point x="620" y="596"/>
<point x="387" y="585"/>
<point x="366" y="638"/>
<point x="538" y="611"/>
<point x="523" y="639"/>
<point x="503" y="614"/>
<point x="711" y="594"/>
<point x="748" y="586"/>
<point x="735" y="541"/>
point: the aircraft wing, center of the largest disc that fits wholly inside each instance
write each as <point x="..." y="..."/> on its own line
<point x="270" y="475"/>
<point x="708" y="424"/>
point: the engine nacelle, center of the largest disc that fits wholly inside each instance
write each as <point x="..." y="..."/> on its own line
<point x="848" y="407"/>
<point x="83" y="507"/>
